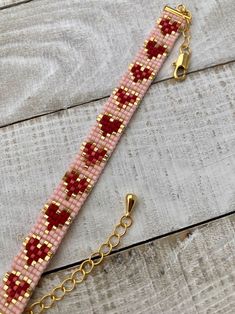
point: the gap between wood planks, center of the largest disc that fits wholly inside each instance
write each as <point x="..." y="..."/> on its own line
<point x="175" y="232"/>
<point x="107" y="96"/>
<point x="10" y="5"/>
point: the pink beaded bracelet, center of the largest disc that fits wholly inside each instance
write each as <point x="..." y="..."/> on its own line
<point x="67" y="199"/>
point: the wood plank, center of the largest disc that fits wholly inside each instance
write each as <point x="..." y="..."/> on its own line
<point x="57" y="54"/>
<point x="9" y="3"/>
<point x="177" y="156"/>
<point x="191" y="272"/>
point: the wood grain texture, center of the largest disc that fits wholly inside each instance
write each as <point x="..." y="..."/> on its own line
<point x="9" y="3"/>
<point x="177" y="156"/>
<point x="191" y="272"/>
<point x="57" y="53"/>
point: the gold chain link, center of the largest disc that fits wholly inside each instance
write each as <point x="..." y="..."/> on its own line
<point x="186" y="31"/>
<point x="78" y="275"/>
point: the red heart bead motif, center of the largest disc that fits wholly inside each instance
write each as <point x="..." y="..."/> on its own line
<point x="55" y="216"/>
<point x="35" y="251"/>
<point x="140" y="73"/>
<point x="109" y="125"/>
<point x="93" y="154"/>
<point x="153" y="49"/>
<point x="125" y="97"/>
<point x="75" y="184"/>
<point x="167" y="27"/>
<point x="16" y="287"/>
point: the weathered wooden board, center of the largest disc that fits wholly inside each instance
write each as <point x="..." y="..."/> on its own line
<point x="177" y="156"/>
<point x="191" y="272"/>
<point x="57" y="53"/>
<point x="8" y="3"/>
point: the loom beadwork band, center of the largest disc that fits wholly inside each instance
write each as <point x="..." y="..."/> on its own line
<point x="67" y="199"/>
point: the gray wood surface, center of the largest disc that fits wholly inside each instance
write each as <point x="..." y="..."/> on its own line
<point x="59" y="61"/>
<point x="177" y="156"/>
<point x="8" y="3"/>
<point x="57" y="54"/>
<point x="191" y="272"/>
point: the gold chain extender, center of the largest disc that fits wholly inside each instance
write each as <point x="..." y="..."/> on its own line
<point x="78" y="275"/>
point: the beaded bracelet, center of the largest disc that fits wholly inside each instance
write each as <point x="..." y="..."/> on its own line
<point x="65" y="202"/>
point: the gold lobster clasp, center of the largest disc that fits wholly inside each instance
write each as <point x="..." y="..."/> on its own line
<point x="181" y="65"/>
